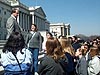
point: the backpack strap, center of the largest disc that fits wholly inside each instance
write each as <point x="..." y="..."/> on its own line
<point x="17" y="61"/>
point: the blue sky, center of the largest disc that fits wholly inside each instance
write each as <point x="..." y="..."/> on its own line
<point x="83" y="15"/>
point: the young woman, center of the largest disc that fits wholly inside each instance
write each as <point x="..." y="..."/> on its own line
<point x="49" y="65"/>
<point x="94" y="63"/>
<point x="16" y="59"/>
<point x="48" y="35"/>
<point x="69" y="52"/>
<point x="81" y="66"/>
<point x="34" y="42"/>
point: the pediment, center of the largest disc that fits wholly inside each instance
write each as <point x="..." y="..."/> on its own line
<point x="40" y="10"/>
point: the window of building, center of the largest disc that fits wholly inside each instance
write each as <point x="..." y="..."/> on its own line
<point x="0" y="11"/>
<point x="5" y="20"/>
<point x="0" y="36"/>
<point x="0" y="22"/>
<point x="4" y="12"/>
<point x="5" y="36"/>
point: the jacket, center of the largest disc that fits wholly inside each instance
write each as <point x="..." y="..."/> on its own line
<point x="10" y="63"/>
<point x="49" y="67"/>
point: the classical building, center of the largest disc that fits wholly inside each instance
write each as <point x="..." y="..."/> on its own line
<point x="27" y="16"/>
<point x="60" y="29"/>
<point x="5" y="11"/>
<point x="39" y="18"/>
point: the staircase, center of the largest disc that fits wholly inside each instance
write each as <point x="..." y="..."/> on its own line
<point x="2" y="43"/>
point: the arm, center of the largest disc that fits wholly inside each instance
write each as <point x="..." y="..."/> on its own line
<point x="83" y="67"/>
<point x="4" y="59"/>
<point x="42" y="66"/>
<point x="94" y="66"/>
<point x="27" y="39"/>
<point x="10" y="25"/>
<point x="40" y="40"/>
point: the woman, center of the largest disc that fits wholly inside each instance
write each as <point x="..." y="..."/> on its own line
<point x="94" y="63"/>
<point x="69" y="52"/>
<point x="81" y="66"/>
<point x="34" y="42"/>
<point x="49" y="65"/>
<point x="16" y="59"/>
<point x="48" y="36"/>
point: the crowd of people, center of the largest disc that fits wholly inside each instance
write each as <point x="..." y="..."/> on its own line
<point x="63" y="56"/>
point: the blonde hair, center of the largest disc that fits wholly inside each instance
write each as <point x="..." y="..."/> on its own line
<point x="94" y="51"/>
<point x="66" y="45"/>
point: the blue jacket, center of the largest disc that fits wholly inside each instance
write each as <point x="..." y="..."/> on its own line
<point x="10" y="63"/>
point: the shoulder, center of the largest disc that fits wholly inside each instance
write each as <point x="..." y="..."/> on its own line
<point x="10" y="18"/>
<point x="3" y="55"/>
<point x="37" y="32"/>
<point x="26" y="50"/>
<point x="46" y="59"/>
<point x="95" y="59"/>
<point x="29" y="34"/>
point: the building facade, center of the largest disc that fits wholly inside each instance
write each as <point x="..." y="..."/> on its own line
<point x="60" y="29"/>
<point x="5" y="11"/>
<point x="39" y="18"/>
<point x="27" y="16"/>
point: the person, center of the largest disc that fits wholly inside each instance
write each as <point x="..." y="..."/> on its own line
<point x="48" y="35"/>
<point x="16" y="59"/>
<point x="34" y="43"/>
<point x="50" y="64"/>
<point x="94" y="63"/>
<point x="75" y="43"/>
<point x="12" y="24"/>
<point x="86" y="47"/>
<point x="69" y="53"/>
<point x="81" y="66"/>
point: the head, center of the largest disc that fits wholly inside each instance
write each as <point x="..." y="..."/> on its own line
<point x="51" y="45"/>
<point x="34" y="27"/>
<point x="66" y="45"/>
<point x="15" y="12"/>
<point x="49" y="35"/>
<point x="74" y="38"/>
<point x="79" y="52"/>
<point x="95" y="42"/>
<point x="94" y="51"/>
<point x="54" y="49"/>
<point x="64" y="42"/>
<point x="85" y="48"/>
<point x="14" y="43"/>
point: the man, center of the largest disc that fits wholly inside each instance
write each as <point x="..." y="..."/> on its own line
<point x="12" y="24"/>
<point x="75" y="43"/>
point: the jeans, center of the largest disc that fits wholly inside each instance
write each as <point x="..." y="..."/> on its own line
<point x="35" y="53"/>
